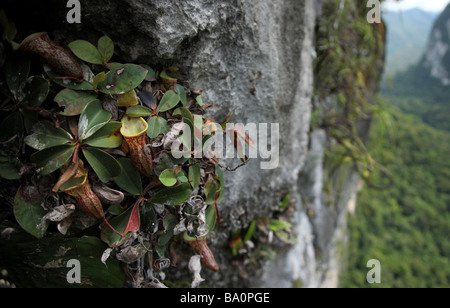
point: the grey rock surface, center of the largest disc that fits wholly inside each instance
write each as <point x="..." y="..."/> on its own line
<point x="434" y="57"/>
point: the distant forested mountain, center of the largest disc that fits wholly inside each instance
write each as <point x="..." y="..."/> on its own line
<point x="407" y="37"/>
<point x="424" y="88"/>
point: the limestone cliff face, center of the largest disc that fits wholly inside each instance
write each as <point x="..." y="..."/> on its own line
<point x="258" y="57"/>
<point x="437" y="51"/>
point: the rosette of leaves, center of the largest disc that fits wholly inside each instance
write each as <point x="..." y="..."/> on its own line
<point x="59" y="149"/>
<point x="95" y="130"/>
<point x="117" y="79"/>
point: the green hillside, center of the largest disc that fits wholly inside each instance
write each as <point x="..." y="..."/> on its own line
<point x="415" y="93"/>
<point x="406" y="226"/>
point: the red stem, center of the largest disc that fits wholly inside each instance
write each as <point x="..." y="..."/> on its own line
<point x="111" y="227"/>
<point x="217" y="211"/>
<point x="157" y="154"/>
<point x="75" y="154"/>
<point x="69" y="77"/>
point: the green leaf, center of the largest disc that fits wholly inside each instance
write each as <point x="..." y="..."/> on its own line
<point x="168" y="178"/>
<point x="164" y="126"/>
<point x="17" y="69"/>
<point x="106" y="137"/>
<point x="250" y="232"/>
<point x="169" y="223"/>
<point x="149" y="218"/>
<point x="113" y="65"/>
<point x="236" y="245"/>
<point x="86" y="52"/>
<point x="9" y="166"/>
<point x="186" y="114"/>
<point x="104" y="165"/>
<point x="221" y="184"/>
<point x="53" y="158"/>
<point x="211" y="218"/>
<point x="285" y="237"/>
<point x="138" y="111"/>
<point x="154" y="127"/>
<point x="211" y="188"/>
<point x="92" y="118"/>
<point x="46" y="135"/>
<point x="123" y="78"/>
<point x="194" y="173"/>
<point x="125" y="224"/>
<point x="98" y="78"/>
<point x="182" y="177"/>
<point x="182" y="93"/>
<point x="129" y="178"/>
<point x="116" y="209"/>
<point x="105" y="48"/>
<point x="199" y="100"/>
<point x="49" y="267"/>
<point x="29" y="212"/>
<point x="157" y="126"/>
<point x="169" y="101"/>
<point x="277" y="225"/>
<point x="285" y="202"/>
<point x="173" y="196"/>
<point x="36" y="91"/>
<point x="74" y="102"/>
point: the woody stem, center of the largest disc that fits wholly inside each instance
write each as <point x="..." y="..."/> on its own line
<point x="75" y="154"/>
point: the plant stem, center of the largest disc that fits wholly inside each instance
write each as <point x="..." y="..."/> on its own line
<point x="75" y="154"/>
<point x="69" y="77"/>
<point x="111" y="227"/>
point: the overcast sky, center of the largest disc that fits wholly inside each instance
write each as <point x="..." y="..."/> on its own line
<point x="427" y="5"/>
